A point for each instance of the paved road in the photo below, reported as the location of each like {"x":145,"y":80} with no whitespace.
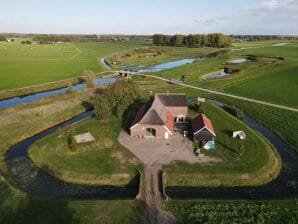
{"x":225,"y":94}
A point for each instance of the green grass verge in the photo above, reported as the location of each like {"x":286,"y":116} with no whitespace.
{"x":234,"y":211}
{"x":253,"y":163}
{"x":103,"y":161}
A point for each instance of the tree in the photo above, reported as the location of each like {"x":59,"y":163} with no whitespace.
{"x":123,"y":94}
{"x":102,"y":107}
{"x":2,"y":38}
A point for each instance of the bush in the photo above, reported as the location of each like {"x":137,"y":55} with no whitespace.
{"x":69,"y":89}
{"x":234,"y":111}
{"x":89,"y":78}
{"x":231,"y":70}
{"x":72,"y":145}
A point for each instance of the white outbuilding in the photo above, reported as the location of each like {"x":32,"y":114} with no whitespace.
{"x":239,"y":134}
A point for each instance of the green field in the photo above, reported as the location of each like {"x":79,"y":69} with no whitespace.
{"x":103,"y":161}
{"x":234,"y":211}
{"x":261,"y":80}
{"x":24,"y":65}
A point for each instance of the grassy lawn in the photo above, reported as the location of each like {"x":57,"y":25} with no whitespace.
{"x":24,"y":65}
{"x":254,"y":163}
{"x":234,"y":211}
{"x":103,"y":161}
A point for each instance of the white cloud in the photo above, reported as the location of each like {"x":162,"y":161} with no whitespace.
{"x":273,"y":5}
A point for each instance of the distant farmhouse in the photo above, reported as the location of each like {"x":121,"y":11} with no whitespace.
{"x":158,"y":118}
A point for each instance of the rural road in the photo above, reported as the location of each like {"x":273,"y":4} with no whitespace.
{"x":156,"y":210}
{"x":225,"y":94}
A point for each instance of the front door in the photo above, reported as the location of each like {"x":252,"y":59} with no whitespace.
{"x":166,"y":135}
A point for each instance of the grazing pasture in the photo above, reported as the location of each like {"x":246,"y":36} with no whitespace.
{"x":24,"y":65}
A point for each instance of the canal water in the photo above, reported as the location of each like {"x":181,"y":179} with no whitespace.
{"x":28,"y":177}
{"x":284,"y":186}
{"x":34,"y":180}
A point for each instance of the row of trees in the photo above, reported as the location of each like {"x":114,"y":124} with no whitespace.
{"x":193,"y":40}
{"x":263,"y":37}
{"x":116,"y":99}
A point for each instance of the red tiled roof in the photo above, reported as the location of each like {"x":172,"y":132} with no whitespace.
{"x":200,"y":122}
{"x":170,"y":121}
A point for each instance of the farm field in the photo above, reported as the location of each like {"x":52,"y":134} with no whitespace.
{"x":253,"y":162}
{"x":102,"y":162}
{"x":25,"y":65}
{"x":253,"y":78}
{"x":234,"y":211}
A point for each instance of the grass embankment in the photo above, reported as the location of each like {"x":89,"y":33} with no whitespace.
{"x":102,"y":162}
{"x":16,"y":206}
{"x":234,"y":211}
{"x":156,"y":55}
{"x":26,"y":65}
{"x":253,"y":162}
{"x":24,"y":121}
{"x":281,"y":122}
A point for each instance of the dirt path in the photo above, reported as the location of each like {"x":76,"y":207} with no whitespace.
{"x":156,"y":210}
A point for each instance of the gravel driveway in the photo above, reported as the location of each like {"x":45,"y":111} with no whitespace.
{"x":160,"y":151}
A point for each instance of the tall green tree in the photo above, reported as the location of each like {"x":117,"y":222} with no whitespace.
{"x":102,"y":107}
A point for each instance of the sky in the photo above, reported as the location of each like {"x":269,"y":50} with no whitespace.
{"x":150,"y":16}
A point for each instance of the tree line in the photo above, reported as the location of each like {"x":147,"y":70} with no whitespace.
{"x":193,"y":40}
{"x":263,"y":37}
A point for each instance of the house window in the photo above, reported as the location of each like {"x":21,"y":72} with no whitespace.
{"x":180,"y":119}
{"x":150,"y":132}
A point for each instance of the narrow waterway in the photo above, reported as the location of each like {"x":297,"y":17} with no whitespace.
{"x":285,"y":186}
{"x":12,"y":102}
{"x":28,"y":177}
{"x":35,"y":181}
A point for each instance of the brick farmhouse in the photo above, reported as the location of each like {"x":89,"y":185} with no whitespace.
{"x":156,"y":119}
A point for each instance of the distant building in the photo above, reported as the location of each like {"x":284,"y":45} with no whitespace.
{"x":202,"y":129}
{"x":156,"y":119}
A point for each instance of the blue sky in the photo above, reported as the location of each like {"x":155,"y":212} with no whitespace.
{"x":150,"y":16}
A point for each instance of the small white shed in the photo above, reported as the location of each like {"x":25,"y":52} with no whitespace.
{"x":239,"y":134}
